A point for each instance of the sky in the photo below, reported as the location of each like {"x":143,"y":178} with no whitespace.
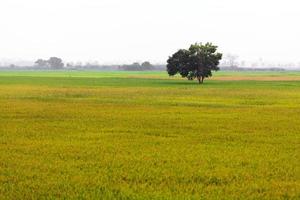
{"x":125,"y":31}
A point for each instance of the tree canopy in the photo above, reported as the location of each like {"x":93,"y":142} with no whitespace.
{"x":196,"y":62}
{"x":53,"y":62}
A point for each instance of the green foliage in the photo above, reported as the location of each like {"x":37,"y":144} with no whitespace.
{"x":197,"y":62}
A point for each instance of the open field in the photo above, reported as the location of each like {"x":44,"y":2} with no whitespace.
{"x":143,"y":135}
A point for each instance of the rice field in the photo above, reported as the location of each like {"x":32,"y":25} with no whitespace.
{"x":144,"y":135}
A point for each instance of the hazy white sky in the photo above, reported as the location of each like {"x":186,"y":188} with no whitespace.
{"x":116,"y":31}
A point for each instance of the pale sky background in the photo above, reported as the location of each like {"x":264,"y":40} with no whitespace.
{"x":124,"y":31}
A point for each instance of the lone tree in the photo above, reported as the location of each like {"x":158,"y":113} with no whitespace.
{"x":55,"y":63}
{"x":196,"y":62}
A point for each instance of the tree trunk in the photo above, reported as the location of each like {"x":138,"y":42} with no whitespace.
{"x":200,"y":79}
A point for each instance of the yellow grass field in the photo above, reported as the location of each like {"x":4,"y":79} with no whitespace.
{"x":143,"y":135}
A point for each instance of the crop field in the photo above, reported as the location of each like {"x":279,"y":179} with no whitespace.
{"x":144,"y":135}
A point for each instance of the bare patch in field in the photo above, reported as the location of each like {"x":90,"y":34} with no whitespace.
{"x":257,"y":78}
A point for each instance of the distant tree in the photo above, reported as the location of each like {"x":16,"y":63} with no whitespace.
{"x":55,"y":63}
{"x":231,"y":60}
{"x":137,"y":66}
{"x":41,"y":63}
{"x":196,"y":62}
{"x":147,"y":66}
{"x":133,"y":67}
{"x":78,"y":64}
{"x":69,"y":65}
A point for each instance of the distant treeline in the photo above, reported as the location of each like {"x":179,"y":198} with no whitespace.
{"x":145,"y":66}
{"x":55,"y":63}
{"x":251,"y":69}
